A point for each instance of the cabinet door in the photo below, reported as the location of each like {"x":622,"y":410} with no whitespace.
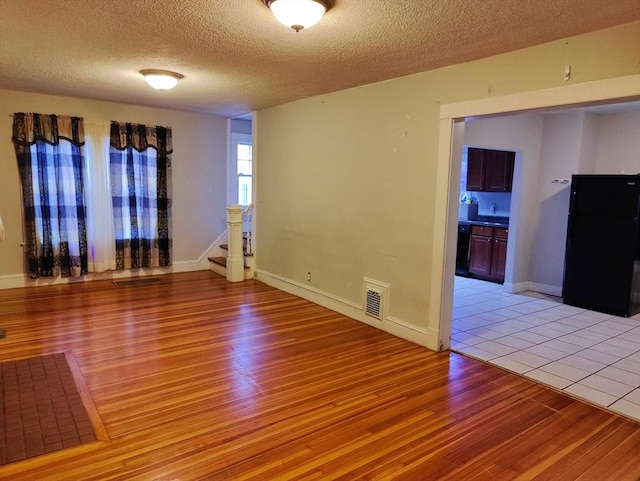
{"x":498,"y":258}
{"x":498,"y":171}
{"x":480,"y":255}
{"x":475,"y":169}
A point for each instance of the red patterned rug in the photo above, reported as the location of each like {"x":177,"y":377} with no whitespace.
{"x":41,"y":410}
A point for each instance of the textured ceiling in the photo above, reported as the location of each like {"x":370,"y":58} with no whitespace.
{"x":236,"y":57}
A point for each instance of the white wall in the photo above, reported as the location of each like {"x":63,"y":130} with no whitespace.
{"x":198,"y":170}
{"x":561,"y":149}
{"x":523,"y":135}
{"x":588,"y":143}
{"x":619,"y":143}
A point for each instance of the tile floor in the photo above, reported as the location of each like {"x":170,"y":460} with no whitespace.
{"x":590,"y":355}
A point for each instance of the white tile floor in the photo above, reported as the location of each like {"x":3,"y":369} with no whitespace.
{"x":590,"y":355}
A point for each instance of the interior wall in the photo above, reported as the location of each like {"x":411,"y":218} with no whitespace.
{"x":588,"y":143}
{"x":561,"y":157}
{"x":198,"y":170}
{"x":348,"y":191}
{"x":523,"y":135}
{"x":618,"y":143}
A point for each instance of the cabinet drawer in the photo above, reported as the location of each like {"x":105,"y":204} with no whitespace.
{"x":501,"y":232}
{"x":484,"y":230}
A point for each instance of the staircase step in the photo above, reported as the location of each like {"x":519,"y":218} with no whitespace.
{"x":221,"y":261}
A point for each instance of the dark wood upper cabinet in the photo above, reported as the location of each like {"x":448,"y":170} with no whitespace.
{"x":498,"y":175}
{"x":475,"y":169}
{"x":489,"y":170}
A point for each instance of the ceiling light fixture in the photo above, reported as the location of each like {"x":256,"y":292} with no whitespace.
{"x":161,"y":79}
{"x":298,"y":14}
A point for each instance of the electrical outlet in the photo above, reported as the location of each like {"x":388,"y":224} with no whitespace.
{"x":309,"y":276}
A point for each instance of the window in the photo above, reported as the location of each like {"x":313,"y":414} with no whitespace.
{"x":244,"y":161}
{"x":240,"y":170}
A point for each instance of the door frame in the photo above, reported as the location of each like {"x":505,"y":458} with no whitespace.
{"x":452,"y":118}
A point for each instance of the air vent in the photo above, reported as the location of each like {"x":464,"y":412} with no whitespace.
{"x":373,"y":304}
{"x":375,"y":299}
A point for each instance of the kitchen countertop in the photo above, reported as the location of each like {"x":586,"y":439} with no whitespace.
{"x":493,"y":222}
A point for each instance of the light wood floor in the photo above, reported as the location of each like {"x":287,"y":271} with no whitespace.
{"x":195,"y":378}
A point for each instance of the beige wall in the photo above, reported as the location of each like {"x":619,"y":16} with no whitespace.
{"x":347,"y":180}
{"x":199,"y":170}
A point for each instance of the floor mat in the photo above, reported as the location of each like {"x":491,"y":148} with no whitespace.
{"x":41,"y":410}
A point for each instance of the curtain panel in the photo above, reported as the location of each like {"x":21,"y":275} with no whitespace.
{"x":140,"y":171}
{"x":49,"y":154}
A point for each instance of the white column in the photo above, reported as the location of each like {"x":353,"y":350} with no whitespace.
{"x":235,"y":258}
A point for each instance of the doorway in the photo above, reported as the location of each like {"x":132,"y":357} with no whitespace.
{"x":448,"y":174}
{"x":571,"y":367}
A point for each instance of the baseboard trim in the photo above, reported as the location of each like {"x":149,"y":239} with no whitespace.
{"x":533,"y":286}
{"x":515,"y":288}
{"x":546,"y":289}
{"x":390,"y":324}
{"x":13,"y":281}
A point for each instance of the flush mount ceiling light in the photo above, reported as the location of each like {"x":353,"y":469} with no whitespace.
{"x":161,"y":79}
{"x":298,"y":14}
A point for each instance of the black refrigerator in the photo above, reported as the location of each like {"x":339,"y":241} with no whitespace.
{"x":602,"y":259}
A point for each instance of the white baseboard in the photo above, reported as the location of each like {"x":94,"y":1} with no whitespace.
{"x":390,"y":324}
{"x":515,"y":288}
{"x":20,"y":280}
{"x":12,"y":281}
{"x":533,"y":286}
{"x":546,"y":289}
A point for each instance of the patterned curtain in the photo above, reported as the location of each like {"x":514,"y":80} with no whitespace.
{"x":49,"y":154}
{"x":140,"y":170}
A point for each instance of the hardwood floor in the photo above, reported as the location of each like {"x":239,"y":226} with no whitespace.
{"x":196,"y":378}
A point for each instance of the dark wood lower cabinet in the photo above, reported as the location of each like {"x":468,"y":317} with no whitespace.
{"x":499,"y":257}
{"x":488,"y":252}
{"x":480,"y":255}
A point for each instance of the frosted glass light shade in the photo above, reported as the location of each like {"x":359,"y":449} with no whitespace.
{"x":298,"y":14}
{"x":161,"y":79}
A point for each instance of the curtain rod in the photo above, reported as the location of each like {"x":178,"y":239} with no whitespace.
{"x":83,"y":118}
